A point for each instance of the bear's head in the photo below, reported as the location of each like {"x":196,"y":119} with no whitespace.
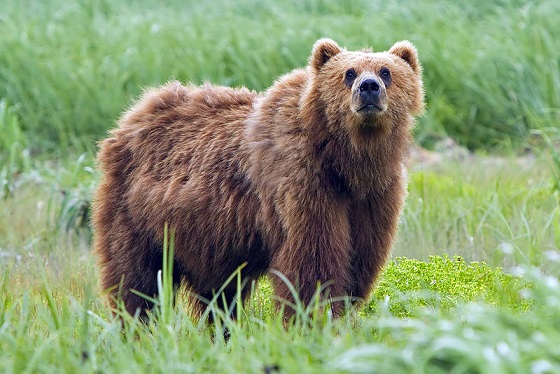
{"x":367,"y":91}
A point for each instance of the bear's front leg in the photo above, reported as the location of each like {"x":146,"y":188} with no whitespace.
{"x":374,"y":223}
{"x":315,"y":251}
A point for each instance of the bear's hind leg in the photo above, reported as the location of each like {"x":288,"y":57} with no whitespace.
{"x":130,"y":274}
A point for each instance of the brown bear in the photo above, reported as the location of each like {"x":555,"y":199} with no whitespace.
{"x":306,"y":179}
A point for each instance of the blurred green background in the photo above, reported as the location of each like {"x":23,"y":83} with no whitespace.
{"x":69,"y":68}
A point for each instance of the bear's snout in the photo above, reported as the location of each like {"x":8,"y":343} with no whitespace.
{"x":369,"y":87}
{"x":371,"y":96}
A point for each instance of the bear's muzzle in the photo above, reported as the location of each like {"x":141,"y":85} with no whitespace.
{"x":370,"y":96}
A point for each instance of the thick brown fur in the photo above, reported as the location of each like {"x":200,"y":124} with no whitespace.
{"x":304,"y":179}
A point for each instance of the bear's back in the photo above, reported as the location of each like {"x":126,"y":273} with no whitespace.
{"x":170,"y":129}
{"x":180,"y":149}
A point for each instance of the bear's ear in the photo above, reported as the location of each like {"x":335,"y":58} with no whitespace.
{"x":407,"y":51}
{"x":323,"y":50}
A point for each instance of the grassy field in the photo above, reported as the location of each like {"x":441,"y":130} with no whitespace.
{"x":492,"y":76}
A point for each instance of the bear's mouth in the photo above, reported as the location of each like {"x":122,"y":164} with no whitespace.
{"x":370,"y":109}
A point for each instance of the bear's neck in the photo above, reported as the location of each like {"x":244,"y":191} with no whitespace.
{"x":363,"y":162}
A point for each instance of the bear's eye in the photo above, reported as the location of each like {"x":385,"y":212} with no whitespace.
{"x":349,"y":76}
{"x":385,"y":75}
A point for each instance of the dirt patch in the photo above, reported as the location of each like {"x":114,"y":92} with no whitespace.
{"x":447,"y":150}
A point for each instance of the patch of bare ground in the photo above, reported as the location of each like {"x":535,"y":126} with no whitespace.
{"x":447,"y":150}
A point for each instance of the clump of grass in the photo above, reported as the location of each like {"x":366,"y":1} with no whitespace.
{"x":551,"y":138}
{"x":443,"y":283}
{"x":45,"y":217}
{"x":74,"y":185}
{"x":14,"y":149}
{"x":472,"y":337}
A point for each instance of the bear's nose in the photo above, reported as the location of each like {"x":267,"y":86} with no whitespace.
{"x":370,"y":86}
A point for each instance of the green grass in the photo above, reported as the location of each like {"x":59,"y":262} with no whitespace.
{"x":473,"y":285}
{"x":429,"y":314}
{"x":502,"y":211}
{"x":65,"y":328}
{"x":442,"y":283}
{"x":491,"y":70}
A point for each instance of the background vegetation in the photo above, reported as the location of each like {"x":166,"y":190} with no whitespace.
{"x":492,"y":77}
{"x":492,"y":70}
